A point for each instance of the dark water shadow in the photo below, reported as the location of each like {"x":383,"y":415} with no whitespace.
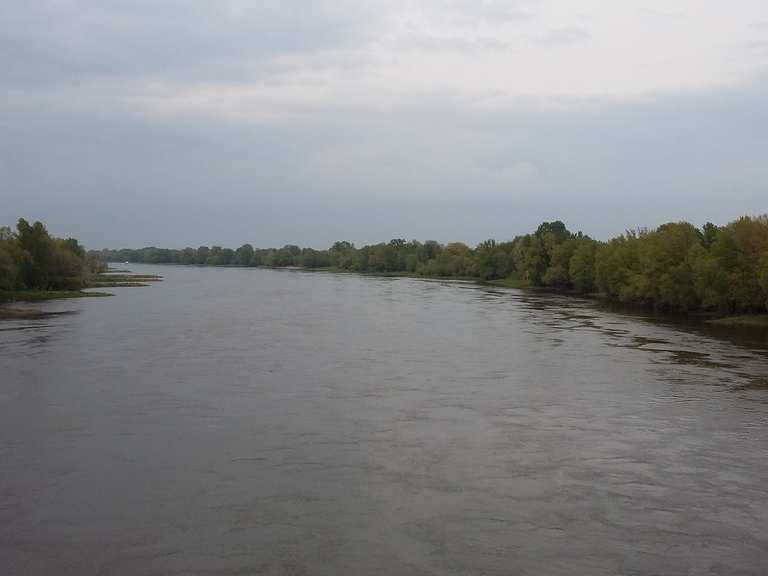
{"x":682,"y":340}
{"x":21,"y":314}
{"x":758,"y":383}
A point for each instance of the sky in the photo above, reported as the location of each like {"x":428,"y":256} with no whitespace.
{"x":178,"y":123}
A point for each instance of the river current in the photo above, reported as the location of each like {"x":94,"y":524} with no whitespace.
{"x":249,"y":421}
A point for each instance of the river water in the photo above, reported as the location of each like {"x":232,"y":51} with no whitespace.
{"x":247,"y":421}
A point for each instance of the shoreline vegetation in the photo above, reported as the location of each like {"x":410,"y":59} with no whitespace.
{"x":749,"y":320}
{"x":714,"y":271}
{"x":34,"y":266}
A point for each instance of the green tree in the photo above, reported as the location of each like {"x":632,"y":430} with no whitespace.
{"x":243,"y":255}
{"x":708,"y":234}
{"x":10,"y":278}
{"x":581,"y":267}
{"x":38,"y":248}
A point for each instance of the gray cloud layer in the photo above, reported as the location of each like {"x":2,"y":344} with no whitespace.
{"x":156,"y":123}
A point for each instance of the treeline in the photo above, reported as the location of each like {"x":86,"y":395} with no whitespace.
{"x":31,"y":259}
{"x":676,"y":267}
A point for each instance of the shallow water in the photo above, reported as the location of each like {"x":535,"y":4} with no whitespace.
{"x":245,"y":421}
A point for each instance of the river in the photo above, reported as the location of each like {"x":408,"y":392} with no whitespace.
{"x":250,"y":421}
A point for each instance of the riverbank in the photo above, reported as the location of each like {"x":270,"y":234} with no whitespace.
{"x":112,"y":280}
{"x":676,"y":267}
{"x":16,"y":313}
{"x":7,"y":296}
{"x":395,"y":274}
{"x":744,"y":320}
{"x":94,"y":281}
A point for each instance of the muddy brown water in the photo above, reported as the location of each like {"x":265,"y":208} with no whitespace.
{"x":244,"y":421}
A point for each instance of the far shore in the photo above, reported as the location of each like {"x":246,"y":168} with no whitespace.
{"x":124,"y":278}
{"x":91,"y":289}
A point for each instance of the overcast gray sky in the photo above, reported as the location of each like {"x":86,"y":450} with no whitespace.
{"x":177,"y":122}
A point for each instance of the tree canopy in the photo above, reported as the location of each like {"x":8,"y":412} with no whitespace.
{"x":31,"y":259}
{"x":676,"y":267}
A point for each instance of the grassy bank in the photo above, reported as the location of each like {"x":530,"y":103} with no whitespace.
{"x":124,"y":279}
{"x":112,"y":277}
{"x":510,"y":282}
{"x":40,"y":295}
{"x":98,"y":281}
{"x":108,"y":280}
{"x":7,"y":313}
{"x":746,"y":320}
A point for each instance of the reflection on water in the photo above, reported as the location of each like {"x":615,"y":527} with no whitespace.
{"x":691,"y":341}
{"x":35,"y":330}
{"x":234,"y":421}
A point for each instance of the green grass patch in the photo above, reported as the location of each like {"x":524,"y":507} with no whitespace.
{"x":18,"y":313}
{"x":40,"y":295}
{"x":115,"y":285}
{"x":105,"y":278}
{"x":510,"y":282}
{"x":751,"y":320}
{"x":121,"y":280}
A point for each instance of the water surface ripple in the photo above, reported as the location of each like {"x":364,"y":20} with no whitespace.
{"x":242,"y":421}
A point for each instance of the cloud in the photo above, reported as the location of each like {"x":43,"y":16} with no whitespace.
{"x":69,"y":42}
{"x":564,"y":36}
{"x":178,"y":123}
{"x":432,"y":167}
{"x":662,"y":14}
{"x":457,"y":44}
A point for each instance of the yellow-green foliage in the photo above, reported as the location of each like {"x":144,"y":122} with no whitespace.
{"x":679,"y":267}
{"x":673,"y":267}
{"x":30,"y":259}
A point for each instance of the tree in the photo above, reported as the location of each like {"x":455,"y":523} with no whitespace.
{"x":581,"y":267}
{"x":38,"y":253}
{"x":342,"y":255}
{"x":674,"y":267}
{"x":530,"y":258}
{"x":202,"y":255}
{"x":67,"y":265}
{"x":243,"y":255}
{"x":188,"y":256}
{"x":666,"y":265}
{"x":9,"y":260}
{"x":32,"y":259}
{"x":762,"y":276}
{"x":708,"y":234}
{"x":486,"y":261}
